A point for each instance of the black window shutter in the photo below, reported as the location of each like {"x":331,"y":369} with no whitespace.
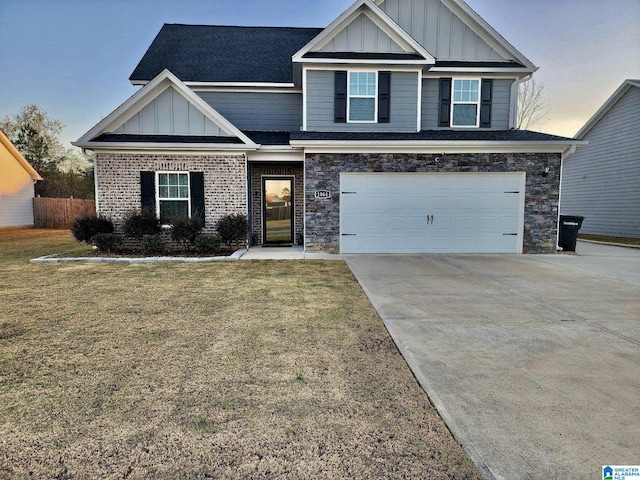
{"x":384,"y":97}
{"x":148,"y":191}
{"x":340,"y":115}
{"x":197,"y":195}
{"x":485,"y":103}
{"x":445,"y":102}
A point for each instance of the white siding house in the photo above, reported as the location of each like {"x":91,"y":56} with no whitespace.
{"x":601,"y":181}
{"x":17,"y":179}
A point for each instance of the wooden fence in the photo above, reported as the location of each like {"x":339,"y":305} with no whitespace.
{"x":60,"y":212}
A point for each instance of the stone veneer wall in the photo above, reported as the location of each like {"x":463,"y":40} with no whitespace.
{"x":118,"y":175}
{"x":257,"y":171}
{"x":542,"y":193}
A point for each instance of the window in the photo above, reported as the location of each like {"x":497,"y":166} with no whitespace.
{"x":173,"y":195}
{"x":465,"y":107}
{"x":362,"y":94}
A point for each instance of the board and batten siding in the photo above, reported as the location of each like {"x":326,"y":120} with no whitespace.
{"x":500,"y":103}
{"x":171,"y":114}
{"x":320,"y":104}
{"x":601,"y":181}
{"x":439,"y":30}
{"x":362,"y":35}
{"x":16,"y":192}
{"x":259,"y":110}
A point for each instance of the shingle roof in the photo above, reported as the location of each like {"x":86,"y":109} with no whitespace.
{"x":201,"y":53}
{"x":433,"y":135}
{"x":268,"y":137}
{"x":147,"y":138}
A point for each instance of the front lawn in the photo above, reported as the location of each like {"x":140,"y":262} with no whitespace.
{"x":245,"y":370}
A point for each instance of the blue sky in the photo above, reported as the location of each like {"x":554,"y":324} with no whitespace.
{"x":74,"y":57}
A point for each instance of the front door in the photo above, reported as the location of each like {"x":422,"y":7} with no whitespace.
{"x":277,"y":215}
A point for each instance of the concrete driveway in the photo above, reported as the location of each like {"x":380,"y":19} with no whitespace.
{"x":533,"y":364}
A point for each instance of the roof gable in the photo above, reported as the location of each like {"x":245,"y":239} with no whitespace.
{"x":365,"y":29}
{"x":452,"y":31}
{"x":608,"y":105}
{"x":202,"y":53}
{"x":11,"y":149}
{"x":190,"y":116}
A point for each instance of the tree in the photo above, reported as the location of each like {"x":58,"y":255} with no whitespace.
{"x":36,"y":136}
{"x":532,"y":107}
{"x":66,"y":171}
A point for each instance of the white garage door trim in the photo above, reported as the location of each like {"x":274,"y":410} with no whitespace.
{"x":467,"y":212}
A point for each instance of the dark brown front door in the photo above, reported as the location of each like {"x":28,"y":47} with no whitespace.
{"x":277,"y":215}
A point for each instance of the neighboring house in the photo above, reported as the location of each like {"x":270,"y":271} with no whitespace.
{"x":601,"y":181}
{"x":17,"y":180}
{"x":392,"y":129}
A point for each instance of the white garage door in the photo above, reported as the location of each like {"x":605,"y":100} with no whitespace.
{"x":431,"y":212}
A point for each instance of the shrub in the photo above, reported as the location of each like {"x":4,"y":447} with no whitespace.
{"x":233,"y":228}
{"x":153,"y":244}
{"x":208,"y":243}
{"x":108,"y":242}
{"x":84,"y":229}
{"x":184,"y":230}
{"x":137,"y":224}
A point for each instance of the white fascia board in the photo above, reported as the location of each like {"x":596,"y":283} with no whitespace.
{"x":376,"y":15}
{"x":147,"y":94}
{"x":142,"y":147}
{"x":481,"y":70}
{"x":359,"y":61}
{"x":418,"y":146}
{"x":277,"y":154}
{"x":613,"y":99}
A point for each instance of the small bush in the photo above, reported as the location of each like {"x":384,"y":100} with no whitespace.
{"x":233,"y":228}
{"x":137,"y":224}
{"x":184,"y":230}
{"x":84,"y":229}
{"x":108,"y":242}
{"x":208,"y":243}
{"x":153,"y":245}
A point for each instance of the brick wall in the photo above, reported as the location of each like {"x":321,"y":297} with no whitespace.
{"x":258,"y":170}
{"x":322,"y":172}
{"x":118,"y":174}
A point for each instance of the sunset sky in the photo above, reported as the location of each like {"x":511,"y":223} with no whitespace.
{"x":73,"y":58}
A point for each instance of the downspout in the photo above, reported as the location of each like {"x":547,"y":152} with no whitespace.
{"x":513,"y":108}
{"x":567,"y":152}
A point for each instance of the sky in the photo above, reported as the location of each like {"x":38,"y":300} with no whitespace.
{"x":73,"y":58}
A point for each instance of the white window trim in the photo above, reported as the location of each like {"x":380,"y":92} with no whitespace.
{"x":374,"y":96}
{"x":158,"y":199}
{"x":477,"y":104}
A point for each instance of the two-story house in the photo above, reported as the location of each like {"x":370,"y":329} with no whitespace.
{"x":391,"y":130}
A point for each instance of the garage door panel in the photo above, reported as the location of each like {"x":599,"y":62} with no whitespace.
{"x":394,"y":213}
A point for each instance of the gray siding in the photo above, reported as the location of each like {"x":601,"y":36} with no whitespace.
{"x":362,"y":35}
{"x":601,"y":181}
{"x":439,"y":30}
{"x":258,"y":111}
{"x":499,"y":106}
{"x":320,"y":105}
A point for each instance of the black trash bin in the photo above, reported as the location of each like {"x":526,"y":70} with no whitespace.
{"x":569,"y":226}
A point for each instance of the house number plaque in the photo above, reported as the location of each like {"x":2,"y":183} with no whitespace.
{"x":322,"y":194}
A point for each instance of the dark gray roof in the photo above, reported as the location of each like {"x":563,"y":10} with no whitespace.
{"x":444,"y":63}
{"x":434,"y":135}
{"x":142,"y":138}
{"x":268,"y":137}
{"x":200,"y":53}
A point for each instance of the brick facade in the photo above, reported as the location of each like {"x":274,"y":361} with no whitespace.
{"x":118,"y":179}
{"x":260,"y":169}
{"x":322,"y":172}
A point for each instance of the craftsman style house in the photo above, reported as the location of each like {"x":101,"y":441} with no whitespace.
{"x":391,"y":130}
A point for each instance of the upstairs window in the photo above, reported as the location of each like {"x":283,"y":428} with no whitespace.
{"x":465,"y":105}
{"x":362,"y":105}
{"x":173,"y":195}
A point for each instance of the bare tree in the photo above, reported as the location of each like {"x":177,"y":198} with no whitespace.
{"x":532,"y":107}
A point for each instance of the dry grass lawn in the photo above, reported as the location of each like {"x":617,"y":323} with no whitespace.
{"x":246,"y":370}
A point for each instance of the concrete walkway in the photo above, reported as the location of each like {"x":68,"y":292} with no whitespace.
{"x":534,"y":365}
{"x":285,"y":253}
